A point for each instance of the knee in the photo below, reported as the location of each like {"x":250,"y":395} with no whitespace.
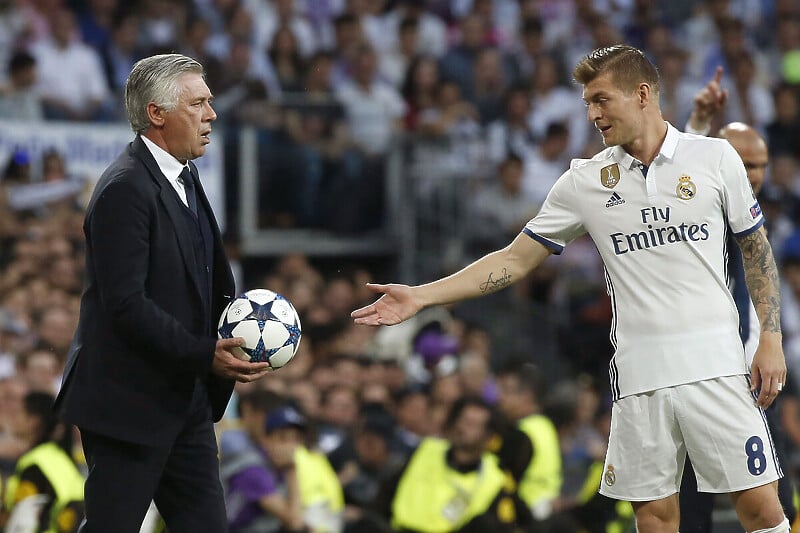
{"x":657,"y":518}
{"x":760,"y":510}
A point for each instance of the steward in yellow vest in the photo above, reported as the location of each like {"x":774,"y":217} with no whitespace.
{"x":454,"y":485}
{"x":46,"y":470}
{"x":321,"y":496}
{"x":535,"y":464}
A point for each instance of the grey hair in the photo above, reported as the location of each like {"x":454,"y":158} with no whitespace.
{"x":155,"y":79}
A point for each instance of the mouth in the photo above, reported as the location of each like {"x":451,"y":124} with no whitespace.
{"x":602,"y":129}
{"x":205,"y":136}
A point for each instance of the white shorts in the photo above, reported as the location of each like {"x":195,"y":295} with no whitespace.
{"x":715,"y":421}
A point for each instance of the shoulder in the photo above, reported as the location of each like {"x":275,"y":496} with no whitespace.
{"x":689,"y":143}
{"x":582,"y":168}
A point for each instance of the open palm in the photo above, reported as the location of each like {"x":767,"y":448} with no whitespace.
{"x":396,"y":305}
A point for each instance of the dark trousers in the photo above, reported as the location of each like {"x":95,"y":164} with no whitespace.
{"x":182,"y":478}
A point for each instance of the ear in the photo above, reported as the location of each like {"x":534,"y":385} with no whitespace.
{"x":155,"y":114}
{"x":645,"y":94}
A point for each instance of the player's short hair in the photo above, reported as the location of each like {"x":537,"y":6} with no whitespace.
{"x":628,"y":66}
{"x":155,"y":79}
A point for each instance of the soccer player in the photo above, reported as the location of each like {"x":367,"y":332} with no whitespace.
{"x":658,"y":205}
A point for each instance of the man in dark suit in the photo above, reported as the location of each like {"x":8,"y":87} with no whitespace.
{"x":146,"y":376}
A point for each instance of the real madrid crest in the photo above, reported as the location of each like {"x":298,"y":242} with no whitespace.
{"x":610,"y":477}
{"x":686,"y":188}
{"x":609,"y":176}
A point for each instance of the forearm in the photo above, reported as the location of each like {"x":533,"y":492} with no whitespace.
{"x":761,"y":276}
{"x":287,"y":508}
{"x":491,"y":273}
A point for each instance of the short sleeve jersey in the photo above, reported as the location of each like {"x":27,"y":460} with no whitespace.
{"x":662,"y":234}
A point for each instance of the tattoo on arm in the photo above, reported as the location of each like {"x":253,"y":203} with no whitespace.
{"x":491,"y":284}
{"x":761,"y":276}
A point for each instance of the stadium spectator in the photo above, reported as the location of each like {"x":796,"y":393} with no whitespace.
{"x":545,"y":163}
{"x":511,"y":134}
{"x":458,"y":64}
{"x":432,"y":30}
{"x":374,"y":112}
{"x":286,"y":60}
{"x":46,"y":473}
{"x":268,"y":17}
{"x":41,"y":370}
{"x":419,"y":90}
{"x":530,"y":47}
{"x":13,"y":390}
{"x":490,"y":83}
{"x":539,"y":479}
{"x":18,"y":100}
{"x":498,"y":210}
{"x":161,"y":25}
{"x":783,"y":133}
{"x":554,"y":101}
{"x":70,"y":80}
{"x":453,"y":484}
{"x":394,"y":63}
{"x":95,"y":22}
{"x":677,"y":90}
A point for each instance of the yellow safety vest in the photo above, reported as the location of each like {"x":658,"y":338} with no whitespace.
{"x":321,"y":494}
{"x":434,"y":498}
{"x":624,"y":510}
{"x":63,"y":475}
{"x":542,"y":479}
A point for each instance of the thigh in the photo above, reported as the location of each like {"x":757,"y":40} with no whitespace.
{"x":645,"y":456}
{"x":726,"y":435}
{"x":121,"y":482}
{"x":189,"y":496}
{"x":696,"y":507}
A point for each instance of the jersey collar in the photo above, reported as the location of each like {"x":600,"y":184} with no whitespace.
{"x":667,"y":150}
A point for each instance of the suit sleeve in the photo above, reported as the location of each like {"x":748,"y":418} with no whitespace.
{"x":118,"y":231}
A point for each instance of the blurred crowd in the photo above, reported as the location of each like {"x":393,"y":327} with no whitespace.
{"x":476,"y":89}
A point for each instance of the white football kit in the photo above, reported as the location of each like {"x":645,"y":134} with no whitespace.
{"x":662,"y":232}
{"x":662,"y":238}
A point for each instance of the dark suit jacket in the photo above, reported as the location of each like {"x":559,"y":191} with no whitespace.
{"x":144,"y":336}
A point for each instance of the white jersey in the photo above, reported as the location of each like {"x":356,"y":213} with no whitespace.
{"x":662,"y":234}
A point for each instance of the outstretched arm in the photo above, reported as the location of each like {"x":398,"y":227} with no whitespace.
{"x":761,"y":274}
{"x":488,"y":274}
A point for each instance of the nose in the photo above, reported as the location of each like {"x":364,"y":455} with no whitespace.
{"x":211,"y":115}
{"x":593,"y":113}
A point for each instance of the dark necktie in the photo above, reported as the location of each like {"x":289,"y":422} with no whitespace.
{"x":188,"y":187}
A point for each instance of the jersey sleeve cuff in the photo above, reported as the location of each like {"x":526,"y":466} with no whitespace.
{"x":554,"y":247}
{"x":750,"y":230}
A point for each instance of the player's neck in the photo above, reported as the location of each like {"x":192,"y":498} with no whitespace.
{"x":646,"y":146}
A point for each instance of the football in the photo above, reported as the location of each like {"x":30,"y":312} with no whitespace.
{"x":267,"y":322}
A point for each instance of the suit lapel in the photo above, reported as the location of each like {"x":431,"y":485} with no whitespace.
{"x":172,"y":205}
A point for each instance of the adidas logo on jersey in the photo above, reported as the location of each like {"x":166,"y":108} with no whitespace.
{"x":615,"y":199}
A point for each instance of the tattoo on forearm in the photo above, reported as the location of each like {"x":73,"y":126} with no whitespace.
{"x":491,"y":284}
{"x":761,"y":276}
